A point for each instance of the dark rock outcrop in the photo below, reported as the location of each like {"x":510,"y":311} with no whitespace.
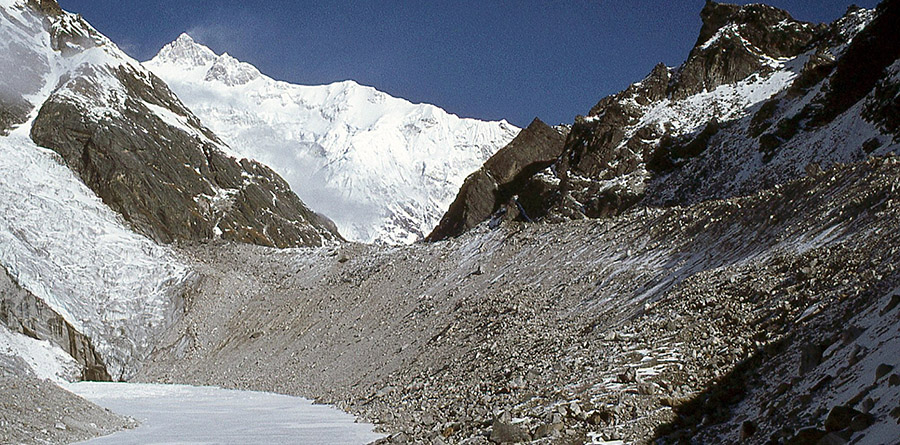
{"x":485,"y":191}
{"x":50,"y":7}
{"x":171,"y":182}
{"x":22,"y":312}
{"x":735,"y":42}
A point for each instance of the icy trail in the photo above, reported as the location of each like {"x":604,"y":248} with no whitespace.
{"x":205,"y":415}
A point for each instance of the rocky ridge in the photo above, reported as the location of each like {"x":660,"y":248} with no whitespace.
{"x":755,"y":77}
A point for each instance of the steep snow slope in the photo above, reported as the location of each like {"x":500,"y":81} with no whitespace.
{"x":57,"y":239}
{"x":65,"y":246}
{"x":382,"y":168}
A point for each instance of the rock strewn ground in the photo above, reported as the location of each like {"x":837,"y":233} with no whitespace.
{"x":35,"y":411}
{"x":558,"y":333}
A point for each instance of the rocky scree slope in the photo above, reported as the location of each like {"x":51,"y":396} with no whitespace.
{"x":383,"y":168}
{"x":33,"y":410}
{"x":760,"y":98}
{"x":685,"y":316}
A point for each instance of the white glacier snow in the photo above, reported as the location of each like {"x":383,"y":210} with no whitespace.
{"x":57,"y":238}
{"x":60,"y":242}
{"x":384,"y":169}
{"x":205,"y":415}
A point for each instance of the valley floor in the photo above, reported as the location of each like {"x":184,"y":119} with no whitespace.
{"x":752,"y":316}
{"x":188,"y":414}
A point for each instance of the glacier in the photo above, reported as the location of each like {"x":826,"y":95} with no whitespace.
{"x":58,"y":240}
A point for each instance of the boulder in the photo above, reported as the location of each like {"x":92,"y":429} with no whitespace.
{"x":484,"y":192}
{"x":507,"y":433}
{"x":839,"y":418}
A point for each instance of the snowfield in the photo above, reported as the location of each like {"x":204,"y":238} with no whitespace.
{"x":191,"y":414}
{"x":384,"y":169}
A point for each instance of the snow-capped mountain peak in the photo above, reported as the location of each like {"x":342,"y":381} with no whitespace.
{"x":383,"y":168}
{"x":185,"y":51}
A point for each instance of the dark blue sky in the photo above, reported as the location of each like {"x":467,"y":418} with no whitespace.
{"x":485,"y":59}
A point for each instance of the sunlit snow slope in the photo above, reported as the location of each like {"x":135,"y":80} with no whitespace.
{"x":384,"y":169}
{"x":57,"y":238}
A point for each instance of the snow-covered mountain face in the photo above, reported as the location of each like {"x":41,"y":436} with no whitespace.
{"x":384,"y":169}
{"x":100,"y":163}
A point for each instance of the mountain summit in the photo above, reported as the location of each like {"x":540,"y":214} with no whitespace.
{"x":184,"y":50}
{"x":384,"y":169}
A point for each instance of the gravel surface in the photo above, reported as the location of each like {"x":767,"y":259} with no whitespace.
{"x":633,"y":327}
{"x":35,"y":411}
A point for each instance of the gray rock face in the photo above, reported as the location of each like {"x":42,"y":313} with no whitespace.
{"x":12,"y":112}
{"x":171,"y":182}
{"x":22,"y":312}
{"x":534,"y":149}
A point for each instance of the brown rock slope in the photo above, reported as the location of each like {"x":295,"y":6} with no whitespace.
{"x":612,"y":328}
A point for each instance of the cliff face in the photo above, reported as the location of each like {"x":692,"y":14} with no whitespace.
{"x":484,"y":192}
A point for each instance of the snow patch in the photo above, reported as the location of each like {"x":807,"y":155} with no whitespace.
{"x":45,"y":359}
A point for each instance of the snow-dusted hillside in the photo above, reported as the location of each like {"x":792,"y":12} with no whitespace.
{"x":57,"y":238}
{"x":384,"y":169}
